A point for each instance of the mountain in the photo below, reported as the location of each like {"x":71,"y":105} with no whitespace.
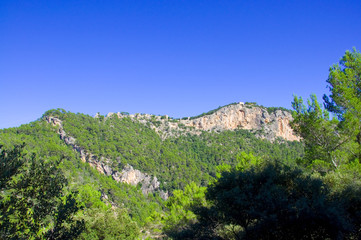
{"x":135,"y":162}
{"x":267,"y":124}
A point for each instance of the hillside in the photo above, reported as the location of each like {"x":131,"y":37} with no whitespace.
{"x":135,"y":162}
{"x":144,"y":154}
{"x":230,"y":173}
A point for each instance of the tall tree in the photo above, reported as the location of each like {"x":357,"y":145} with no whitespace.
{"x":344,"y":82}
{"x":320,"y":134}
{"x":330,"y":142}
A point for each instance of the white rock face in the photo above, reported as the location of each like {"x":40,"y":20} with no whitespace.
{"x":241,"y":116}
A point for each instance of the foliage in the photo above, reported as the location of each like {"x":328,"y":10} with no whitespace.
{"x":109,"y":224}
{"x":33,"y":202}
{"x":244,"y":161}
{"x":319,"y":133}
{"x":269,"y":109}
{"x":179,"y":207}
{"x":94,"y":189}
{"x":273,"y":201}
{"x":345,"y":99}
{"x":332,"y":142}
{"x":274,"y":109}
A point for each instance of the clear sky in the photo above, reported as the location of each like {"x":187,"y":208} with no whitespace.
{"x":175,"y":57}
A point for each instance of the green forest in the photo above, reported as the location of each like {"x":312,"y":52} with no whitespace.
{"x":221,"y":185}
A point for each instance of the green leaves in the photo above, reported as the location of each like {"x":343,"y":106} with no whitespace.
{"x":273,"y":201}
{"x":243,"y":162}
{"x":345,"y":99}
{"x":109,"y":224}
{"x":333,"y":141}
{"x":10,"y":162}
{"x":179,"y":207}
{"x":322,"y":136}
{"x":30,"y":202}
{"x":345,"y":84}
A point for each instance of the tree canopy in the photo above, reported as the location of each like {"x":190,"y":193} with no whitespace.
{"x":33,"y":201}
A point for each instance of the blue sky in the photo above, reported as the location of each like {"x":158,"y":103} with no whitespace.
{"x":179,"y":58}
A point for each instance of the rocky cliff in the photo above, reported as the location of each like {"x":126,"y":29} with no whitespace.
{"x":127,"y":175}
{"x":245,"y":116}
{"x":267,"y":123}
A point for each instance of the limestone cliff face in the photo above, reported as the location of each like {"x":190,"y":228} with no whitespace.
{"x":127,"y":175}
{"x":274,"y":124}
{"x":268,"y":125}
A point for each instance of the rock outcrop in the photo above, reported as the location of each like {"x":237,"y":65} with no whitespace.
{"x":274,"y":124}
{"x":127,"y":175}
{"x":267,"y":124}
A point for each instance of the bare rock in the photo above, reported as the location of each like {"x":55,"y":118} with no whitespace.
{"x":242,"y":116}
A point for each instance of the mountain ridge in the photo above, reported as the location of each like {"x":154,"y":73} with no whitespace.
{"x":268,"y":123}
{"x":135,"y":162}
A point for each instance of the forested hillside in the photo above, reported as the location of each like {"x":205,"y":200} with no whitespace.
{"x":73,"y":176}
{"x":175,"y":161}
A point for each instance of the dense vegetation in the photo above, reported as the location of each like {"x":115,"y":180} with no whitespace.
{"x":33,"y":201}
{"x":226,"y":185}
{"x":174,"y":160}
{"x":96,"y":194}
